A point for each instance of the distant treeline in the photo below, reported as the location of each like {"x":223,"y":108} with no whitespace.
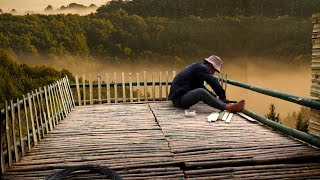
{"x":118,"y":34}
{"x":19,"y":79}
{"x":213,"y":8}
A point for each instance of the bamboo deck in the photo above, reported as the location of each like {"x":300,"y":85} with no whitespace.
{"x":156,"y":141}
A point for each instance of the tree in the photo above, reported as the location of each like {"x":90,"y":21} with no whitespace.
{"x":13,"y":11}
{"x":272,"y":114}
{"x":48,"y":9}
{"x":302,"y":124}
{"x":1,"y":11}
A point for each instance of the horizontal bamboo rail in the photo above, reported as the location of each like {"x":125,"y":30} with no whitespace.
{"x":28,"y":120}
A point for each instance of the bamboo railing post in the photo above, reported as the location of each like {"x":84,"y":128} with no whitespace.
{"x":167,"y":85}
{"x":108,"y":88}
{"x":84,"y":89}
{"x":36,"y":115}
{"x":20,"y":128}
{"x":3,"y":164}
{"x":40,"y":112}
{"x":43,"y":111}
{"x":51,"y":108}
{"x":90,"y":89}
{"x":65,"y":98}
{"x":59,"y":107}
{"x":27,"y":122}
{"x":153,"y":87}
{"x":8,"y":135}
{"x":47,"y":105}
{"x":66,"y":94}
{"x":145,"y":86}
{"x":138,"y":87}
{"x":32,"y":120}
{"x":54,"y":104}
{"x":130,"y":87}
{"x":115,"y":88}
{"x":123,"y":88}
{"x":78,"y":91}
{"x":70,"y":91}
{"x":99,"y":89}
{"x":160,"y":86}
{"x":15,"y":146}
{"x":62,"y":99}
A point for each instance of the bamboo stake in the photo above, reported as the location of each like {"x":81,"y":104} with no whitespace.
{"x":99,"y":89}
{"x":20,"y":128}
{"x":115,"y":88}
{"x":67,"y":94}
{"x":36,"y":115}
{"x":153,"y":87}
{"x":55,"y":98}
{"x":8,"y":135}
{"x":65,"y":98}
{"x":70,"y":91}
{"x":130,"y":87}
{"x":108,"y":88}
{"x":3,"y":164}
{"x":145,"y":86}
{"x":44,"y":111}
{"x":123,"y":89}
{"x":59,"y":100}
{"x":54,"y":105}
{"x":78,"y":91}
{"x":40,"y":112}
{"x":90,"y":89}
{"x":160,"y":86}
{"x":138,"y":88}
{"x":47,"y":104}
{"x":27,"y":121}
{"x":167,"y":85}
{"x":84,"y":90}
{"x":51,"y":108}
{"x":32,"y":120}
{"x":16,"y":154}
{"x":62,"y":99}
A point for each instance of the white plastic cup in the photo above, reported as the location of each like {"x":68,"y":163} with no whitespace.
{"x":189,"y":113}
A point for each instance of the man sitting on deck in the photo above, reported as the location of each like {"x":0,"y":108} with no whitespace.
{"x":187,"y":87}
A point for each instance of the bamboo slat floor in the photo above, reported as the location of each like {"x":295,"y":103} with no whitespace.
{"x":157,"y":141}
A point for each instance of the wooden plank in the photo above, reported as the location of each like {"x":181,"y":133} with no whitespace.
{"x":3,"y":163}
{"x":40,"y":112}
{"x":138,"y":88}
{"x":99,"y":89}
{"x":130,"y":87}
{"x":48,"y":108}
{"x":108,"y":88}
{"x":225,"y":116}
{"x":213,"y":117}
{"x":35,"y":141}
{"x":153,"y":87}
{"x":123,"y":88}
{"x":84,"y":89}
{"x":43,"y":110}
{"x":8,"y":135}
{"x":115,"y":88}
{"x":229,"y":117}
{"x":27,"y":121}
{"x":160,"y":86}
{"x":145,"y":86}
{"x":53,"y":117}
{"x":13,"y":132}
{"x":36,"y":115}
{"x":167,"y":85}
{"x":20,"y":128}
{"x":78,"y":90}
{"x":90,"y":89}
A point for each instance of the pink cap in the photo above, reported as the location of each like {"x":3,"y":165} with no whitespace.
{"x":215,"y":61}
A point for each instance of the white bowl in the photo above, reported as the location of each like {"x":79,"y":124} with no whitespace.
{"x":189,"y":112}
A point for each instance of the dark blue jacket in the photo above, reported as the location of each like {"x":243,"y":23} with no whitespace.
{"x":193,"y":77}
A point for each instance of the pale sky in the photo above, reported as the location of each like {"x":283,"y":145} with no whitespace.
{"x":39,"y":5}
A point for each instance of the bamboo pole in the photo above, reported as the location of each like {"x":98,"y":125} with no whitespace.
{"x":40,"y":112}
{"x":90,"y":89}
{"x":84,"y":89}
{"x":32,"y":120}
{"x":20,"y":128}
{"x":3,"y":163}
{"x":130,"y":87}
{"x":153,"y":87}
{"x":65,"y":98}
{"x":70,"y":91}
{"x":47,"y":107}
{"x":167,"y":85}
{"x":115,"y":88}
{"x":55,"y":98}
{"x":16,"y":153}
{"x":99,"y":89}
{"x":78,"y":91}
{"x":123,"y":88}
{"x":160,"y":86}
{"x":8,"y":135}
{"x":43,"y":111}
{"x":145,"y":86}
{"x":138,"y":88}
{"x":108,"y":88}
{"x":67,"y":94}
{"x":51,"y":108}
{"x":36,"y":115}
{"x":54,"y":105}
{"x":60,"y":106}
{"x":27,"y":121}
{"x":62,"y":100}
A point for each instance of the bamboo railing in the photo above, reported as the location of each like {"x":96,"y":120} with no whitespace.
{"x":36,"y":115}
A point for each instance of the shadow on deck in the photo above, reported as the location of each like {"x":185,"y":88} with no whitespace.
{"x":156,"y":141}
